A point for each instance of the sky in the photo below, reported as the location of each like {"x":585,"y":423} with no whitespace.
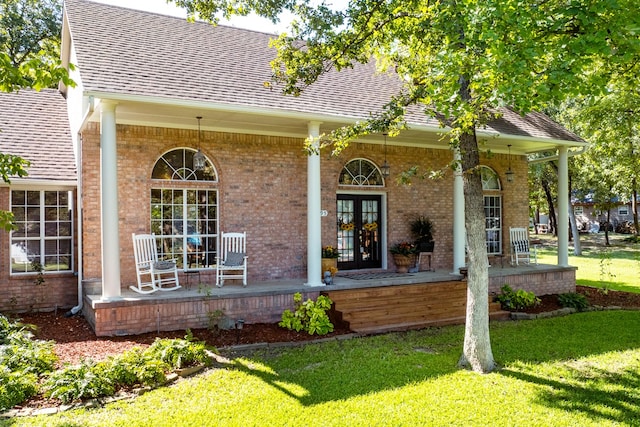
{"x":251,"y":22}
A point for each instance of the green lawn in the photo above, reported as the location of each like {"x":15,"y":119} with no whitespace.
{"x":615,"y":267}
{"x":582,"y":369}
{"x":579,"y":370}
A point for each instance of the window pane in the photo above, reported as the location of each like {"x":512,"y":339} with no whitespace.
{"x":33,"y":214}
{"x":18,"y":197}
{"x":33,"y":198}
{"x":19,"y":213}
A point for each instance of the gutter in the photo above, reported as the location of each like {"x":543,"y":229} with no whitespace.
{"x":553,"y":157}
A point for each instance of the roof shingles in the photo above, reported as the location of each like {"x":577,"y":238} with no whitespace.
{"x":34,"y":125}
{"x":125,"y":51}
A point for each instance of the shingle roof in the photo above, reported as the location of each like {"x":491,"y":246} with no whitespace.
{"x":34,"y":125}
{"x":125,"y":51}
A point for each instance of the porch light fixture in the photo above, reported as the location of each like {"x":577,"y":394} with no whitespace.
{"x":386,"y":169}
{"x":509,"y":173}
{"x":199,"y":161}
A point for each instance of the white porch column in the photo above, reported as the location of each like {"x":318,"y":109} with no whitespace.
{"x":563,"y":207}
{"x":109,"y":202}
{"x":314,"y":226}
{"x":458,"y":215}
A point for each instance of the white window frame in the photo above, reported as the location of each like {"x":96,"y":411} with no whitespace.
{"x":493,"y":211}
{"x":45,"y":237}
{"x":623,"y":210}
{"x":192,"y":237}
{"x":578,"y":210}
{"x":354,"y":175}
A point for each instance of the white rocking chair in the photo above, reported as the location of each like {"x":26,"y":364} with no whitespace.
{"x":161,"y":272}
{"x":521,"y":250}
{"x":232,"y":262}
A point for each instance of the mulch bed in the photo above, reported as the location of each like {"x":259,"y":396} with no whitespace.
{"x":75,"y":340}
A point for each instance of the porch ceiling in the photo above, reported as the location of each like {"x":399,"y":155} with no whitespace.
{"x":294,"y":124}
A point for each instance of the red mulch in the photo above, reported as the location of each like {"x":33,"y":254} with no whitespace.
{"x":75,"y":340}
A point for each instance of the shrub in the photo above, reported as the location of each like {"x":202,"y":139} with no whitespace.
{"x":21,"y":353}
{"x":573,"y":300}
{"x":136,"y":367}
{"x":516,"y":300}
{"x":8,"y":327}
{"x":178,"y":353}
{"x":15,"y":387}
{"x":84,"y":381}
{"x":310,"y":316}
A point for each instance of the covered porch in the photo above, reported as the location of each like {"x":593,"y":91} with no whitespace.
{"x":371,"y":301}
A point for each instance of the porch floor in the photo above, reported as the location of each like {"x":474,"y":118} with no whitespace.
{"x":263,"y":302}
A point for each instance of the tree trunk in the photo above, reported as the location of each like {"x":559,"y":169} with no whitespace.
{"x":477,"y":352}
{"x":577,"y":249}
{"x":606,"y":228}
{"x":634,"y":208}
{"x":553,"y":225}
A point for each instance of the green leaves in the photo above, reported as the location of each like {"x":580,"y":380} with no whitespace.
{"x":310,"y":316}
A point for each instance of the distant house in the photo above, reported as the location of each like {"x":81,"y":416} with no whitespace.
{"x":144,"y":79}
{"x":590,"y":218}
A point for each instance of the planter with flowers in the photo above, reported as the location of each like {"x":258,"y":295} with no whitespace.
{"x":404,"y":255}
{"x":330,"y":256}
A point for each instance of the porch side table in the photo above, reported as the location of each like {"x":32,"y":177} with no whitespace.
{"x":426,"y":254}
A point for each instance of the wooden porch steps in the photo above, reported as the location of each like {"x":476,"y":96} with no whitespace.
{"x":403,"y":307}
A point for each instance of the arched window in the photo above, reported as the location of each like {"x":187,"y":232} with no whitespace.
{"x":492,"y":210}
{"x":490,"y":180}
{"x":184,"y":214}
{"x":178,"y":165}
{"x":361,"y":173}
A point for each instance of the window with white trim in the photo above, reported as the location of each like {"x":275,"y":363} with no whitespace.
{"x":43,"y":233}
{"x":492,"y":210}
{"x":361,"y":172}
{"x":578,"y":210}
{"x":184,"y":217}
{"x":623,"y":210}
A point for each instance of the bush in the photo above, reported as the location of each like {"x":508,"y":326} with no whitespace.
{"x":573,"y":300}
{"x":135,"y":366}
{"x":15,"y":387}
{"x":178,"y":353}
{"x":310,"y":316}
{"x":518,"y":300}
{"x":84,"y":381}
{"x":20,"y":352}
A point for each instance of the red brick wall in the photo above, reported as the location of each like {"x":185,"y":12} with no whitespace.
{"x":262,"y":189}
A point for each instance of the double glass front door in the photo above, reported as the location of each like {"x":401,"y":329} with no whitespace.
{"x":359,"y":231}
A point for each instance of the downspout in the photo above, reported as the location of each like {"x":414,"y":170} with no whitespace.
{"x":75,"y":310}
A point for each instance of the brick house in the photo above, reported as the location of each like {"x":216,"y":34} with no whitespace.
{"x":149,"y":98}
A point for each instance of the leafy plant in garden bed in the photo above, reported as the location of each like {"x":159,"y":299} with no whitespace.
{"x":310,"y":316}
{"x":22,"y":359}
{"x":516,"y":300}
{"x":573,"y":300}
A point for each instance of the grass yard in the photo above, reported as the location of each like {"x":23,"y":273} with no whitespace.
{"x":582,"y":369}
{"x":578,"y":370}
{"x":615,"y":267}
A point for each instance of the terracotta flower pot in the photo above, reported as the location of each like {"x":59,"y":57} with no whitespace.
{"x":403,"y":262}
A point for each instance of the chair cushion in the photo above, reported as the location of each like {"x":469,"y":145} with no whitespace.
{"x":234,"y":258}
{"x":164,"y":265}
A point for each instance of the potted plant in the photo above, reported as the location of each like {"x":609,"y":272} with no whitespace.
{"x":330,"y":256}
{"x":404,"y":255}
{"x":422,"y":231}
